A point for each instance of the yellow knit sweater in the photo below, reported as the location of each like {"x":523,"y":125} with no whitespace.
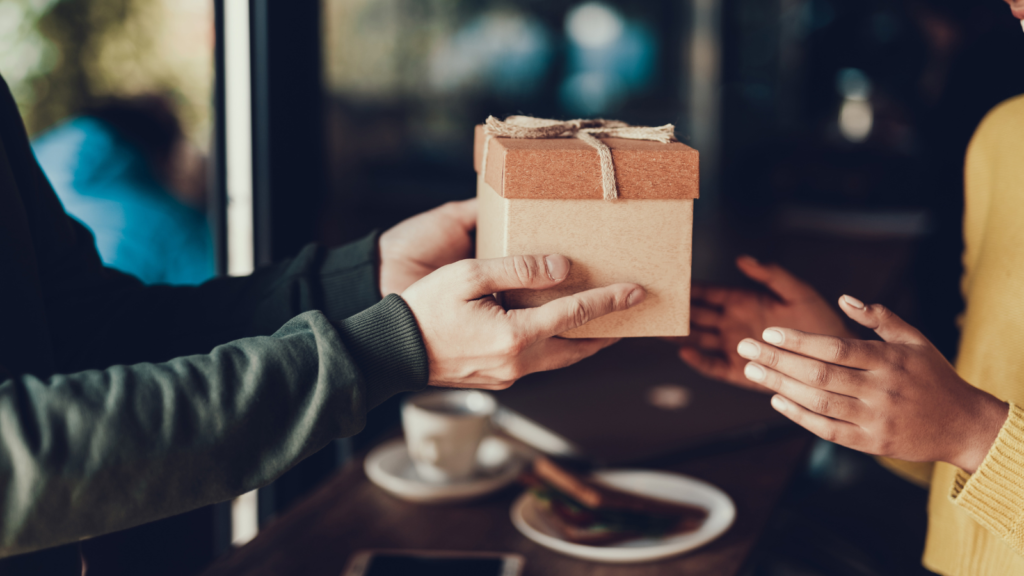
{"x":976,"y":522}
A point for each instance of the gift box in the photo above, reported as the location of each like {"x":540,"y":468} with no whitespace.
{"x":616,"y":200}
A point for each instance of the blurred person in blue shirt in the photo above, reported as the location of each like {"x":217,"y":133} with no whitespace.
{"x":125,"y":170}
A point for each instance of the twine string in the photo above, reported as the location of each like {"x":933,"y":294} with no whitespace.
{"x":589,"y":131}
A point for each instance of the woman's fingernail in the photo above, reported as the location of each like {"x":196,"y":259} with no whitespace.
{"x":773,"y":336}
{"x":754,"y":372}
{"x":748,"y":349}
{"x":635,"y":297}
{"x":778,"y":403}
{"x":850,"y":300}
{"x":558,"y":267}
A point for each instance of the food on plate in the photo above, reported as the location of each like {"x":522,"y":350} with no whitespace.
{"x":588,"y":512}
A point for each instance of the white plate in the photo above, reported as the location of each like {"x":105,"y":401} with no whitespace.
{"x":390,"y":467}
{"x":529,"y":518}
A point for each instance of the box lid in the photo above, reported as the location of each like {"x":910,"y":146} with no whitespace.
{"x":568,"y":168}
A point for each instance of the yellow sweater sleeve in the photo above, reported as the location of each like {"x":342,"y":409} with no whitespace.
{"x":994,"y":495}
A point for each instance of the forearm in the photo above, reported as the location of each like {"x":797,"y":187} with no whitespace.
{"x":99,"y":317}
{"x":981,"y":424}
{"x":102,"y":450}
{"x":993,"y":495}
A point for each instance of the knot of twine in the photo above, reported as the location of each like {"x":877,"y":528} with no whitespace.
{"x":588,"y":131}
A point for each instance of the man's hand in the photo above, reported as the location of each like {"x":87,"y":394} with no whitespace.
{"x":898,"y":398}
{"x":721,"y":317}
{"x":472,"y":342}
{"x":419,"y":245}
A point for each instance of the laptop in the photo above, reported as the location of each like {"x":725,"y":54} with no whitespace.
{"x":634,"y":402}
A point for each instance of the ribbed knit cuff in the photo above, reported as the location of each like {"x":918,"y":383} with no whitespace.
{"x":386,"y":344}
{"x":349,"y":279}
{"x":994,"y":495}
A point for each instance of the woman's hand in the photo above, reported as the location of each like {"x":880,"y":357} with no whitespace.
{"x":419,"y":245}
{"x":721,"y":317}
{"x":898,"y":398}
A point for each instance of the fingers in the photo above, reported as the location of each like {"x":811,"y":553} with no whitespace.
{"x":706,"y":363}
{"x":774,"y":277}
{"x":823,"y":427}
{"x":887,"y":325}
{"x":714,"y":295}
{"x":464,"y":212}
{"x":564,"y":314}
{"x":850,"y":352}
{"x":702,"y":339}
{"x":483,"y":277}
{"x":715,"y":366}
{"x":813,"y":372}
{"x":835,"y":406}
{"x":706,"y":317}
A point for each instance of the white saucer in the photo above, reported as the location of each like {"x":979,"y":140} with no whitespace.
{"x":529,"y":518}
{"x":390,"y":467}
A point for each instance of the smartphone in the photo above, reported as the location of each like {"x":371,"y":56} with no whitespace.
{"x":433,"y":563}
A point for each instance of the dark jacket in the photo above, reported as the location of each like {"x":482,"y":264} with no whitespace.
{"x":122,"y":403}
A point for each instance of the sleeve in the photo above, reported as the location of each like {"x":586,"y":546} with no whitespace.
{"x":994,"y":494}
{"x":98,"y":316}
{"x":102,"y":450}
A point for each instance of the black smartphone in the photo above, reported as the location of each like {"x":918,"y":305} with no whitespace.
{"x":433,"y":563}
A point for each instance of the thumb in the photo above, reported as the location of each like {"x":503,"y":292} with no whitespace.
{"x":484,"y":277}
{"x":774,"y":277}
{"x":889,"y":326}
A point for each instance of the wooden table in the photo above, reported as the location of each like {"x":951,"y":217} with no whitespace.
{"x":349,"y":513}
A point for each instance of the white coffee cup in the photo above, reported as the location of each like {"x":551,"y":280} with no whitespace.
{"x":443,"y":430}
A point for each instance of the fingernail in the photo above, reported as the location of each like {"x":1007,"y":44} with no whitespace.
{"x":778,"y":403}
{"x":635,"y":297}
{"x":850,"y":300}
{"x":754,"y":372}
{"x":748,"y":349}
{"x":558,"y":267}
{"x":773,"y":336}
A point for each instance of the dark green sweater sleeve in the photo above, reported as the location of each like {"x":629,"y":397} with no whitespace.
{"x":99,"y":316}
{"x":122,"y":403}
{"x":101,"y":450}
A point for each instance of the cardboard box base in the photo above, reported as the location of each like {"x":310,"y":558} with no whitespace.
{"x":646,"y":241}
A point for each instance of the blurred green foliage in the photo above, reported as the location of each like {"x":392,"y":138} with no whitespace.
{"x":58,"y":55}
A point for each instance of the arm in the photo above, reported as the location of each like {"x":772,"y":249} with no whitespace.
{"x":900,"y":398}
{"x":99,"y":317}
{"x":96,"y":451}
{"x":106,"y":317}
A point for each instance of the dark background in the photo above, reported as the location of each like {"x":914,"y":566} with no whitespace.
{"x":364,"y":112}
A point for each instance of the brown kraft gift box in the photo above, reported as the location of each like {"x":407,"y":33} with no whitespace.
{"x":544,"y":196}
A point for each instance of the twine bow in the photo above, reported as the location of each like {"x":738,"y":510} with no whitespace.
{"x":589,"y":131}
